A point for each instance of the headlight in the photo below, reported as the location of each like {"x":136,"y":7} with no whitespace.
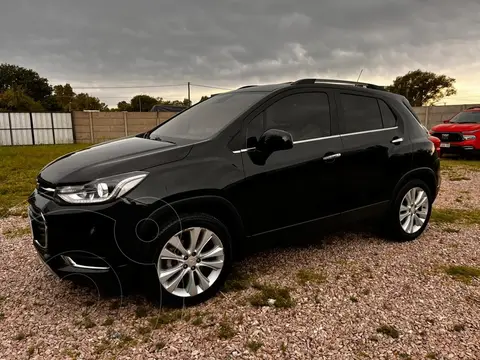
{"x":101,"y":190}
{"x":469,"y":137}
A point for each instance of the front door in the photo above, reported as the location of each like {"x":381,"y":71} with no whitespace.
{"x":301,"y":184}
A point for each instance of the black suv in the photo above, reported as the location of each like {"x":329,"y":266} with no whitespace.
{"x":177,"y":202}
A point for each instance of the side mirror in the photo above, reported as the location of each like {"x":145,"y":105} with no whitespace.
{"x":446,"y":121}
{"x":274,"y":140}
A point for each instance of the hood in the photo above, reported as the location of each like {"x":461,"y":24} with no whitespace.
{"x":111,"y":158}
{"x":452,"y":127}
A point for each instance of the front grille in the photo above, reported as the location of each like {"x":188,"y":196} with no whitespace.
{"x":38,"y":226}
{"x":449,"y":136}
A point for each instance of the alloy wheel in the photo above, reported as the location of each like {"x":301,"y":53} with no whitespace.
{"x":190,"y":262}
{"x":413,"y":210}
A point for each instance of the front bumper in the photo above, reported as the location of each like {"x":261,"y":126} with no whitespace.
{"x":89,"y":240}
{"x":470,"y":147}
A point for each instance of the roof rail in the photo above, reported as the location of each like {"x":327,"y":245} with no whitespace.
{"x":340,"y":82}
{"x":246,"y":86}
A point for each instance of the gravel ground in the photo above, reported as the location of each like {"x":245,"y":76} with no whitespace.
{"x":367,"y":298}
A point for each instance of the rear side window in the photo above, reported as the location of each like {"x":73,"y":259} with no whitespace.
{"x":304,"y":115}
{"x":388,"y":117}
{"x":360,"y":113}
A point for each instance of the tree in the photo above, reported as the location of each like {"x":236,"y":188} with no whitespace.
{"x":203,"y":98}
{"x":143,"y":103}
{"x":15,"y":99}
{"x":83,"y":101}
{"x":64,"y":95}
{"x":423,"y":87}
{"x":50,"y":103}
{"x":124,"y":106}
{"x":33,"y":86}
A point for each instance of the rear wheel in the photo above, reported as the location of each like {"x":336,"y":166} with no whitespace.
{"x":410,"y":211}
{"x":192,"y":260}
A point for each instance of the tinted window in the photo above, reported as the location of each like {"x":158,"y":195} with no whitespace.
{"x":471,"y":117}
{"x":209,"y":117}
{"x":255,"y":129}
{"x":360,"y":113}
{"x":389,"y":119}
{"x":305,"y":116}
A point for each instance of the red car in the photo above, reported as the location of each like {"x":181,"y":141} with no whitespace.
{"x":436,"y":141}
{"x":460,"y":135}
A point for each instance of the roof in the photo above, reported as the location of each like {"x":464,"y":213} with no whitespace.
{"x":168,"y":108}
{"x":332,"y":83}
{"x":473,"y":109}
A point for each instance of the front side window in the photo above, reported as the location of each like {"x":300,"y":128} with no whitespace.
{"x":467,"y":118}
{"x":360,"y":113}
{"x":304,"y":115}
{"x":206,"y":119}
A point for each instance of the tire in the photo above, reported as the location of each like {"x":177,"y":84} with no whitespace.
{"x":394,"y":225}
{"x":220,"y":238}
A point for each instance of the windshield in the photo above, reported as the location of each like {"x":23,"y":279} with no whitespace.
{"x":209,"y":117}
{"x":467,"y":118}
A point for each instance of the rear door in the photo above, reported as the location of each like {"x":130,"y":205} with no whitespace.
{"x":376,"y":152}
{"x":301,"y":184}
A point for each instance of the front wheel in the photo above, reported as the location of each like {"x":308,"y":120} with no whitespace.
{"x":192,"y":260}
{"x":410,"y":211}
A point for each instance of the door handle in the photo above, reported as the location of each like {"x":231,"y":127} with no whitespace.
{"x":396,"y":140}
{"x":332,"y":157}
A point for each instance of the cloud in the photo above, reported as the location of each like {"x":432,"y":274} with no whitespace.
{"x":232,"y":42}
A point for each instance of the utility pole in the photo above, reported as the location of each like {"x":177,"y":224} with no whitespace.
{"x":189,"y":101}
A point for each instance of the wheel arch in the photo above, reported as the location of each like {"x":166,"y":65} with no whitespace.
{"x":212,"y":202}
{"x":425,"y":174}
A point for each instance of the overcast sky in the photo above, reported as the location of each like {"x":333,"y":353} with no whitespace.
{"x":229,"y":43}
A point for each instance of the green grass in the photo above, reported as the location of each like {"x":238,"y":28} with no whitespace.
{"x":169,"y":317}
{"x":237,"y":280}
{"x":310,"y":276}
{"x":141,"y":311}
{"x":19,"y":166}
{"x":254,"y":345}
{"x":226,"y":331}
{"x":463,"y":273}
{"x":451,"y":230}
{"x":279,"y":296}
{"x":450,"y":216}
{"x":448,"y":164}
{"x":459,"y":178}
{"x":17,"y":232}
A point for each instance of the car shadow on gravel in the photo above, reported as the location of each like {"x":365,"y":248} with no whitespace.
{"x":306,"y":237}
{"x":131,"y":289}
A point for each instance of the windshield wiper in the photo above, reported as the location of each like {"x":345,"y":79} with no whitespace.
{"x":156,"y":138}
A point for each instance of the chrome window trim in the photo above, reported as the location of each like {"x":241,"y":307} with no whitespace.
{"x":369,"y":131}
{"x":323,"y":138}
{"x":316,"y":139}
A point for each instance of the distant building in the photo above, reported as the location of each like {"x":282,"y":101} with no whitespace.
{"x":168,"y":108}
